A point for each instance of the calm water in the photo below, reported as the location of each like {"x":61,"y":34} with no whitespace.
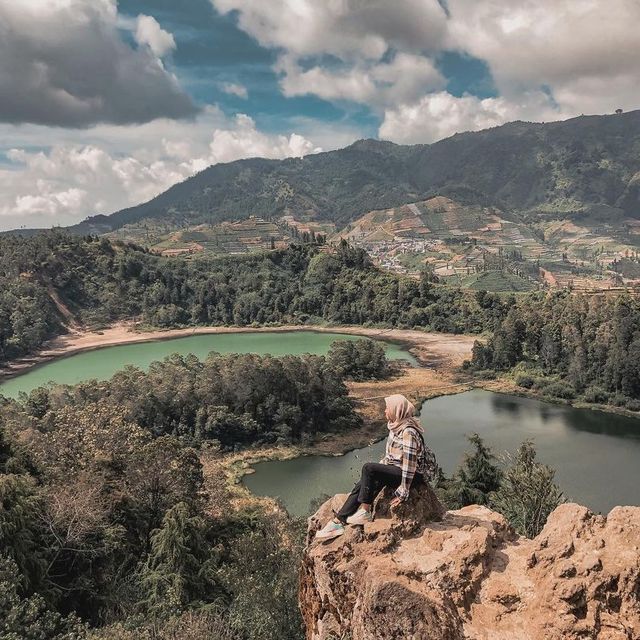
{"x":103,"y":363}
{"x":596,"y":455}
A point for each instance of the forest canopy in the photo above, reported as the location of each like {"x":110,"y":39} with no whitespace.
{"x":569,"y":346}
{"x":48,"y":279}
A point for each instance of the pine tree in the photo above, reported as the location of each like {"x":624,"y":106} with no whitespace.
{"x":21,"y":536}
{"x":528,"y":493}
{"x":179,"y":569}
{"x":479,"y":475}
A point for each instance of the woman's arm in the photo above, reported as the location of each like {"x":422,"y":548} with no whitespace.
{"x":409,"y":462}
{"x":385,"y":460}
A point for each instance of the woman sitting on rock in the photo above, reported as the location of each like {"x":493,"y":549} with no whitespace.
{"x":407,"y":462}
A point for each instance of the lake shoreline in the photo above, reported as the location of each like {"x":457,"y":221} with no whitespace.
{"x":426,"y":347}
{"x":439,"y":357}
{"x":332,"y":445}
{"x":419,"y":384}
{"x":507,"y":386}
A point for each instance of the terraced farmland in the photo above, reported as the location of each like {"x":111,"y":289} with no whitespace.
{"x":464,"y":243}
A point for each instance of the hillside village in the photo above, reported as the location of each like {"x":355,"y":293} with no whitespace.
{"x":473,"y":246}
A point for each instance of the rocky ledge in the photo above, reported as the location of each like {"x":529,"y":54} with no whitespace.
{"x":423,"y":573}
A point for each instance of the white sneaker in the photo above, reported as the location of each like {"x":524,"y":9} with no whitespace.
{"x":360,"y":517}
{"x":330,"y":530}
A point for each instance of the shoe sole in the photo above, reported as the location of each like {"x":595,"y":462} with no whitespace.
{"x":330,"y":536}
{"x":359,"y":523}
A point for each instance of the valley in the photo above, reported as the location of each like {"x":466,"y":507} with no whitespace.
{"x":471,"y":246}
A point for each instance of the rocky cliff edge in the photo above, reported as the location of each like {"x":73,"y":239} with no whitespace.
{"x":423,"y":573}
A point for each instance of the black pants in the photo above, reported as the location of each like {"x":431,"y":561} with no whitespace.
{"x":374,"y":477}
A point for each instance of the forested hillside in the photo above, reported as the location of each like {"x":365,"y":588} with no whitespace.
{"x":588,"y":164}
{"x":99,"y":282}
{"x":118,"y":520}
{"x":110,"y":520}
{"x":570,"y":346}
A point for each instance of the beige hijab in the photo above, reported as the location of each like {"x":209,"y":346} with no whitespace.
{"x":402,"y":413}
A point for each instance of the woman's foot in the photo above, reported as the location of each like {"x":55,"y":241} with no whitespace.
{"x":362,"y":516}
{"x":330,"y":530}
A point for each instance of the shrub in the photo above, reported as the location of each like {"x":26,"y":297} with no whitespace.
{"x":486,"y":374}
{"x":261,"y":575}
{"x":619,"y":400}
{"x":561,"y":390}
{"x":192,"y":625}
{"x":595,"y":393}
{"x":632,"y":404}
{"x":541,"y":383}
{"x":528,"y":493}
{"x":524,"y":380}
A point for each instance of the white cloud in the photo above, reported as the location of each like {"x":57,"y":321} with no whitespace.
{"x":73,"y":180}
{"x":243,"y":140}
{"x":404,"y":78}
{"x":381,"y":48}
{"x":344,"y":28}
{"x":150,"y":33}
{"x":585,"y":52}
{"x":234,"y":89}
{"x":549,"y":58}
{"x":439,"y":115}
{"x":64,"y":63}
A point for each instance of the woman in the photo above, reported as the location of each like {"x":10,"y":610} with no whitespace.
{"x":407,"y":462}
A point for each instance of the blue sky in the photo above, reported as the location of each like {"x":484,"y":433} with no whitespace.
{"x":106,"y":103}
{"x":213,"y":50}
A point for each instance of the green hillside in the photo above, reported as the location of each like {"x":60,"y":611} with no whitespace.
{"x":585,"y":166}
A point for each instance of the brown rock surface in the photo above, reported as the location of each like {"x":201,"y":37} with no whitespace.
{"x":426,"y":574}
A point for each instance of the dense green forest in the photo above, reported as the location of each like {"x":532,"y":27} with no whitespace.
{"x":108,"y":519}
{"x":123,"y":534}
{"x":99,"y":282}
{"x":569,"y":346}
{"x":580,"y":167}
{"x":234,"y":400}
{"x":113,"y":526}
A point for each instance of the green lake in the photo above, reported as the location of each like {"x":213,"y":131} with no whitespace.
{"x":596,"y":455}
{"x":102,"y":363}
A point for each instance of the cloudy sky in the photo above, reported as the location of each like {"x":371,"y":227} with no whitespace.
{"x":104,"y":104}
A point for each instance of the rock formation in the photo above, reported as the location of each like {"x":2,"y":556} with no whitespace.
{"x":427,"y":574}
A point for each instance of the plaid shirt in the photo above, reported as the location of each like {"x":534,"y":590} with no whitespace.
{"x":406,"y":450}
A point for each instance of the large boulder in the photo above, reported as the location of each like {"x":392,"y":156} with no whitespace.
{"x":424,"y":574}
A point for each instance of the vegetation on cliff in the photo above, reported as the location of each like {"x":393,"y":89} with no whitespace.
{"x":521,"y":489}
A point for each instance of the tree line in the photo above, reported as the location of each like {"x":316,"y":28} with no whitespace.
{"x":569,"y":346}
{"x":232,"y":400}
{"x":99,"y":281}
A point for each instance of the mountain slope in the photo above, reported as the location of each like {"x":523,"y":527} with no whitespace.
{"x":583,"y":165}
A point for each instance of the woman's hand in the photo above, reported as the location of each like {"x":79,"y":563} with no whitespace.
{"x":395,"y":503}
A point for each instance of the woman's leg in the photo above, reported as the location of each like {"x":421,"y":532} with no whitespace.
{"x":375,"y":476}
{"x":350,"y":505}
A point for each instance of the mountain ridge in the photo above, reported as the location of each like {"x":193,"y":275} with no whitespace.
{"x":563,"y":167}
